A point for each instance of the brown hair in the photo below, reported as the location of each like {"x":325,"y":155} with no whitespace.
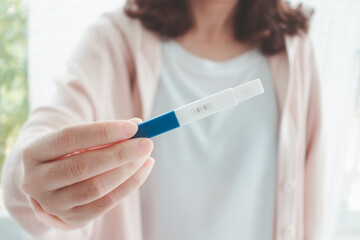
{"x":263,"y":23}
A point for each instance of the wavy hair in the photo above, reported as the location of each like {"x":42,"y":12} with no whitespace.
{"x":262,"y":23}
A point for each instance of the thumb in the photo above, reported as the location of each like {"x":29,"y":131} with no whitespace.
{"x":136,"y":120}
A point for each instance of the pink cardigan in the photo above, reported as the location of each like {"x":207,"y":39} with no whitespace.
{"x":113,"y":74}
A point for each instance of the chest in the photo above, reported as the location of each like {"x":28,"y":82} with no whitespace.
{"x":236,"y":132}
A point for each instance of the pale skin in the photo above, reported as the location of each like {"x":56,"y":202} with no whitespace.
{"x":80,"y":187}
{"x":80,"y":172}
{"x":212,"y":35}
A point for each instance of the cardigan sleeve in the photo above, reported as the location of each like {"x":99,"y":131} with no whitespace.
{"x":315,"y":155}
{"x":78,"y":100}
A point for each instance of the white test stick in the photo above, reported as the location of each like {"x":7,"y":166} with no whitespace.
{"x":200,"y":109}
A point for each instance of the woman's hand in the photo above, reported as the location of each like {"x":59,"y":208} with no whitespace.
{"x":80,"y":172}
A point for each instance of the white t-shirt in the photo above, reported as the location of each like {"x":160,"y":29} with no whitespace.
{"x":215,"y":178}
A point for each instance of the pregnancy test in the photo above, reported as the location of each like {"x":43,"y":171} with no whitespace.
{"x":199,"y":109}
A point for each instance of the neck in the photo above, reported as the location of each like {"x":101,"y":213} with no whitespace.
{"x":212,"y":33}
{"x":212,"y":18}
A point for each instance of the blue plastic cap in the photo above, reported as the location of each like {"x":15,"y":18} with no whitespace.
{"x":158,"y":125}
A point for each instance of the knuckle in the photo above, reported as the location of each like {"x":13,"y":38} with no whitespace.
{"x":107,"y":201}
{"x":65,"y":136}
{"x":95,"y":187}
{"x":135,"y":181}
{"x":75,"y":169}
{"x":104,"y":132}
{"x":120,"y":152}
{"x":54,"y":171}
{"x":49,"y":206}
{"x":131,"y":167}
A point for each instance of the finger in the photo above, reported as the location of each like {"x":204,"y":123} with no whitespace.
{"x":82,"y":214}
{"x":137,"y":120}
{"x":48,"y":217}
{"x":88,"y":164}
{"x":94,"y":188}
{"x":75,"y":138}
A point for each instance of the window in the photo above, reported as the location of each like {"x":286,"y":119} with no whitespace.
{"x":13,"y":73}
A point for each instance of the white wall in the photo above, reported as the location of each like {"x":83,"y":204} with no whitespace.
{"x":54,"y":29}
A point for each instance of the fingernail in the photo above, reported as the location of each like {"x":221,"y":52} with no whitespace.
{"x":144,"y":145}
{"x":129,"y":128}
{"x":136,"y":120}
{"x":148,"y":162}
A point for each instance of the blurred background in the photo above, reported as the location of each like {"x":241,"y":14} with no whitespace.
{"x":37,"y":36}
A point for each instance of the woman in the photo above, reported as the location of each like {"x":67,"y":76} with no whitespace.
{"x":250,"y":173}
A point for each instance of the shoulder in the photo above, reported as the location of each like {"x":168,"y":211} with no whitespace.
{"x":301,"y":56}
{"x":111,"y":27}
{"x":116,"y":25}
{"x":300,"y":47}
{"x":118,"y":21}
{"x":303,"y":62}
{"x":116,"y":34}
